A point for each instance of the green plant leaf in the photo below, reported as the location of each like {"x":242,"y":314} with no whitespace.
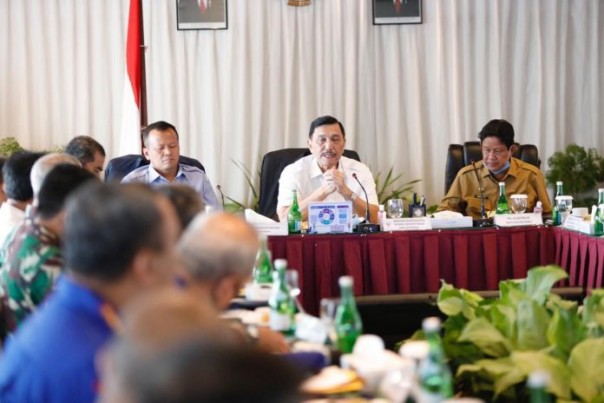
{"x":452,"y":301}
{"x":532,"y":321}
{"x":503,"y":318}
{"x":564,"y":331}
{"x":540,"y":280}
{"x":593,"y":313}
{"x":511,"y":292}
{"x":530,"y":361}
{"x":586,"y":364}
{"x":486,"y":337}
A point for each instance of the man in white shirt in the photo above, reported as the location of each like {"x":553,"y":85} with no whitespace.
{"x":18,"y":189}
{"x":326,"y":175}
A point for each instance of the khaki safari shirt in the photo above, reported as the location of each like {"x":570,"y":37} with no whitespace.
{"x":464,"y":196}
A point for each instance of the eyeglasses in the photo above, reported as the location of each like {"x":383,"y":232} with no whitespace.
{"x":496,"y":151}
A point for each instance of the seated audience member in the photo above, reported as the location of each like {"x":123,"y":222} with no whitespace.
{"x":89,"y":152}
{"x":119,"y":244}
{"x":497,"y":165}
{"x":32,"y":258}
{"x":2,"y":194}
{"x":326,"y":175}
{"x":17,"y":187}
{"x":44,"y":165}
{"x":218,"y":252}
{"x":185,"y":200}
{"x":161,"y":148}
{"x":173,"y":349}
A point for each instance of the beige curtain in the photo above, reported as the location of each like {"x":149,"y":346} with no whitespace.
{"x":404,"y":92}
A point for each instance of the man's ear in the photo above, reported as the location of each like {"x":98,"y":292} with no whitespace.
{"x":309,"y":142}
{"x":146,"y":153}
{"x":142,"y":267}
{"x":224,"y":290}
{"x":514,"y":148}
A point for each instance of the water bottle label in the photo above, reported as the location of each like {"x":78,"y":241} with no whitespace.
{"x":279,"y":322}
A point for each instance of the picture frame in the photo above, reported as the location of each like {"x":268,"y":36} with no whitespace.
{"x":201,"y":14}
{"x":389,"y":12}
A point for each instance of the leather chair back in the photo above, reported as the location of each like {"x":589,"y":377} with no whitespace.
{"x":273,"y":164}
{"x":119,"y":167}
{"x":458,"y":156}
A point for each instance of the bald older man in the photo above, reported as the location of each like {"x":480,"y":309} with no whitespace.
{"x":218,"y":252}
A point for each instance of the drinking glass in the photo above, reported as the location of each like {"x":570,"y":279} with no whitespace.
{"x":328,"y":309}
{"x":395,"y":208}
{"x":519,"y":202}
{"x":565,"y":205}
{"x":291,"y":277}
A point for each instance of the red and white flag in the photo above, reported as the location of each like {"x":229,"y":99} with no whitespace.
{"x":131,"y":102}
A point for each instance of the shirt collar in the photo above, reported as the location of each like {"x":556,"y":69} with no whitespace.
{"x":154,"y":175}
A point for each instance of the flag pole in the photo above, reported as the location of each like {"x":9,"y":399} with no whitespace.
{"x":143,"y":71}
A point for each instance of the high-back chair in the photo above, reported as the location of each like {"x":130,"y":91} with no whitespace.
{"x":458,"y":156}
{"x":272,"y":164}
{"x":119,"y":167}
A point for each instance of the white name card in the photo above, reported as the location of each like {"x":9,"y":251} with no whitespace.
{"x":517,"y":220}
{"x":270,"y":228}
{"x":407,"y":224}
{"x":457,"y":222}
{"x":579,"y":224}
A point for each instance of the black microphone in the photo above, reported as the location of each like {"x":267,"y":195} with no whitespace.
{"x":366,"y":226}
{"x":484,"y":221}
{"x":219,"y":188}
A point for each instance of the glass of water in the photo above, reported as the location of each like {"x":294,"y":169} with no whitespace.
{"x":395,"y":208}
{"x":519,"y":202}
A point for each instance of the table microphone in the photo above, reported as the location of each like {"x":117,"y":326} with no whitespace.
{"x":366,"y":226}
{"x":484,"y":221}
{"x":219,"y":188}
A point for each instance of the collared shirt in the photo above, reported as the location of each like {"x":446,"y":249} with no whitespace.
{"x":186,"y":174}
{"x":464,"y":194}
{"x":52,"y":356}
{"x":29,"y":266}
{"x":10,"y":218}
{"x":306,"y":176}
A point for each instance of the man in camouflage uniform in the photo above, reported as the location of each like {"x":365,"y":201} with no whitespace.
{"x":32,"y":260}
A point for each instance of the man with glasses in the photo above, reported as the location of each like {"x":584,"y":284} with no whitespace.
{"x":497,"y":165}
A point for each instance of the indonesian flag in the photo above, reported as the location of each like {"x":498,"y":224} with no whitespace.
{"x":131,"y":102}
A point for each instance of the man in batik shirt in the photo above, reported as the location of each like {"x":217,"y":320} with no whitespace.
{"x":32,"y":260}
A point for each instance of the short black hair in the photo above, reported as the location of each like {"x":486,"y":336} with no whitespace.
{"x":60,"y":182}
{"x":500,"y":128}
{"x":107,"y":225}
{"x":160,"y":126}
{"x":325,"y":120}
{"x":16,"y":170}
{"x":186,"y":201}
{"x":84,"y":148}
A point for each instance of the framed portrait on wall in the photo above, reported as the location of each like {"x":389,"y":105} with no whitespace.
{"x":201,"y":14}
{"x":387,"y":12}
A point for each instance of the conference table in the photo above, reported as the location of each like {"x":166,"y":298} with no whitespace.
{"x":404,"y":262}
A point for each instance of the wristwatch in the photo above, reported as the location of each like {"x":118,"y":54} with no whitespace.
{"x":353,"y":196}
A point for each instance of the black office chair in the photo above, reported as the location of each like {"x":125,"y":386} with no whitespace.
{"x":119,"y":167}
{"x":272,"y":164}
{"x":458,"y":156}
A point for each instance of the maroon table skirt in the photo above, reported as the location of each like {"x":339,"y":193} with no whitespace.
{"x":414,"y":261}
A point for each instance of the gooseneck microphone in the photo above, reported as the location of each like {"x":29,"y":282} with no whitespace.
{"x":484,"y":221}
{"x":366,"y":226}
{"x":219,"y":188}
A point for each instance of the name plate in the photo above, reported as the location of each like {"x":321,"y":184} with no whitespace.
{"x":579,"y":224}
{"x":407,"y":224}
{"x":457,"y":222}
{"x":518,"y":220}
{"x":270,"y":228}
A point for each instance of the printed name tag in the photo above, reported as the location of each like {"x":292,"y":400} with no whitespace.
{"x":517,"y":220}
{"x":579,"y":224}
{"x":407,"y":224}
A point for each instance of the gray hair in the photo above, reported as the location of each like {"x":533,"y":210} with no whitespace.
{"x":45,"y":164}
{"x":218,"y":245}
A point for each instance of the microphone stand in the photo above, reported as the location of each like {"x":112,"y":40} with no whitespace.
{"x":365,"y":227}
{"x":219,"y":188}
{"x":484,"y":220}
